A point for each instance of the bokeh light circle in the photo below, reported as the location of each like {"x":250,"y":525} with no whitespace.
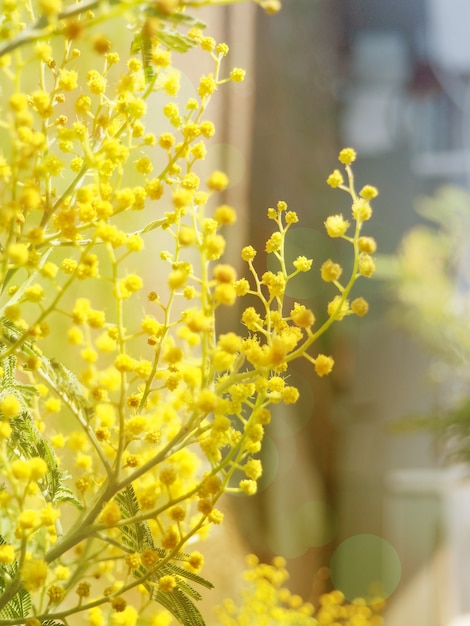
{"x":365,"y":566}
{"x":311,"y":525}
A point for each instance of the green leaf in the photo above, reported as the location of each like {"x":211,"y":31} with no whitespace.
{"x":20,"y":605}
{"x":174,"y":40}
{"x":183,"y":19}
{"x":180,"y":606}
{"x":26,"y":442}
{"x":138,"y":537}
{"x":143,"y":45}
{"x":69,"y":388}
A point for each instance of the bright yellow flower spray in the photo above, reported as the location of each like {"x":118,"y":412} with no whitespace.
{"x":115,"y":449}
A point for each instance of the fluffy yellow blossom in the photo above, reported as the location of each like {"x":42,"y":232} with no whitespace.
{"x":224,"y":273}
{"x":323,"y":364}
{"x":222,"y":49}
{"x":214,"y":245}
{"x":248,"y":253}
{"x":111,"y":514}
{"x":127,"y":617}
{"x":336,"y":225}
{"x":144,"y":165}
{"x":129,"y":285}
{"x":252,"y":319}
{"x":68,"y":80}
{"x":207,"y":43}
{"x":361,"y":210}
{"x":253,"y":469}
{"x":62,"y":573}
{"x":18,"y":253}
{"x":367,"y":245}
{"x":274,"y":242}
{"x":195,"y":561}
{"x":96,"y":82}
{"x":302,"y":316}
{"x":13,"y":312}
{"x":330,"y":271}
{"x":290,"y":395}
{"x":338,"y":307}
{"x":368,"y":192}
{"x":217,"y":181}
{"x":302,"y":264}
{"x":161,"y":57}
{"x":248,"y":486}
{"x":237,"y":75}
{"x":168,"y":476}
{"x":55,"y":593}
{"x":167,"y":583}
{"x":347,"y":156}
{"x":5,"y":430}
{"x":207,"y":129}
{"x":207,"y":86}
{"x":7,"y":554}
{"x":335,"y":179}
{"x":206,"y":400}
{"x":366,"y":265}
{"x":35,"y":293}
{"x":170,"y":539}
{"x":10,"y":406}
{"x":18,"y":101}
{"x":216,"y":516}
{"x":225,"y":215}
{"x":33,"y":574}
{"x":41,"y":102}
{"x":58,"y":440}
{"x":50,"y":7}
{"x":38,"y":468}
{"x":359,"y":306}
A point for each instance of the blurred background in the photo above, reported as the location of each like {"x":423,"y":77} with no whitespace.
{"x":344,"y":487}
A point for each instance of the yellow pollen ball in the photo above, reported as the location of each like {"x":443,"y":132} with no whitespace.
{"x":33,"y":574}
{"x":323,"y":364}
{"x":218,"y":181}
{"x":336,"y":225}
{"x":10,"y":407}
{"x":111,"y":514}
{"x":7,"y":554}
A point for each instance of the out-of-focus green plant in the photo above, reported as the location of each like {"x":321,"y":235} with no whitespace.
{"x":123,"y":414}
{"x":430,"y":279}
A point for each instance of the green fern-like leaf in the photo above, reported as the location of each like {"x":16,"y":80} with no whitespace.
{"x":26,"y":442}
{"x":138,"y":537}
{"x":174,"y":40}
{"x":183,"y":574}
{"x":142,"y":45}
{"x":180,"y":606}
{"x":20,"y":605}
{"x":181,"y":19}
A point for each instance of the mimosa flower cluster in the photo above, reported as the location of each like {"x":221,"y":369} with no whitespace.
{"x":124,"y":415}
{"x":266,"y":601}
